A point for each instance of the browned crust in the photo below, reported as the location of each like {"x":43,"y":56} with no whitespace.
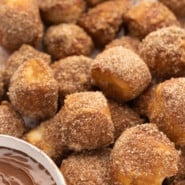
{"x":164,"y":52}
{"x":59,"y":11}
{"x":20,"y":23}
{"x":86,"y":121}
{"x":87,"y":168}
{"x":20,"y":56}
{"x":123,"y":117}
{"x":103,"y":21}
{"x":149,"y":156}
{"x":73,"y":74}
{"x":67,"y":39}
{"x":148,"y":16}
{"x":33,"y":91}
{"x":120,"y":73}
{"x":167,"y":109}
{"x":11,"y":122}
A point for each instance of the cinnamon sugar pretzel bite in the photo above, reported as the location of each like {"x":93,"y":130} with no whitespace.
{"x":164,"y":52}
{"x":47,"y":137}
{"x":65,"y":40}
{"x":25,"y":53}
{"x":143,"y":155}
{"x":120,"y":73}
{"x":87,"y":168}
{"x":20,"y":23}
{"x":103,"y":21}
{"x":72,"y":74}
{"x":167,"y":109}
{"x":148,"y":16}
{"x":86,"y":121}
{"x":33,"y":91}
{"x":59,"y":11}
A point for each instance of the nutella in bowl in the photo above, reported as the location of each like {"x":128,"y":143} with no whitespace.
{"x":24,"y":164}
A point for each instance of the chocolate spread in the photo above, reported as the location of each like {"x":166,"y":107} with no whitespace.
{"x":17,"y":168}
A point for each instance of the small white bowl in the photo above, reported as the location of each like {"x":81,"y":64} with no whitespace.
{"x":35,"y":153}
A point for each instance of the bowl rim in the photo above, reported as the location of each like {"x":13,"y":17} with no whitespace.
{"x":35,"y":153}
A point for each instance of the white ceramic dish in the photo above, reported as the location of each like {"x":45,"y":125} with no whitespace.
{"x":35,"y":153}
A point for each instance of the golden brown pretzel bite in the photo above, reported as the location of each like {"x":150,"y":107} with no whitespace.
{"x":72,"y":74}
{"x":20,"y":56}
{"x":164,"y":52}
{"x":143,"y":155}
{"x":67,"y":39}
{"x":103,"y":21}
{"x":167,"y":109}
{"x":123,"y":117}
{"x":20,"y":23}
{"x":58,"y":11}
{"x":86,"y":121}
{"x":148,"y":16}
{"x":33,"y":91}
{"x":11,"y":122}
{"x":87,"y":168}
{"x":120,"y":73}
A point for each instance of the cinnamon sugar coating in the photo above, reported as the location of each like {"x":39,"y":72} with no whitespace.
{"x":59,"y":11}
{"x":87,"y":168}
{"x":86,"y":121}
{"x":125,"y":41}
{"x":67,"y":39}
{"x":148,"y":16}
{"x":33,"y":91}
{"x":20,"y":56}
{"x":164,"y":52}
{"x":47,"y":137}
{"x":176,"y":6}
{"x":123,"y":117}
{"x":103,"y":21}
{"x":143,"y":155}
{"x":120,"y":73}
{"x":11,"y":122}
{"x":20,"y":23}
{"x":167,"y":109}
{"x":72,"y":74}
